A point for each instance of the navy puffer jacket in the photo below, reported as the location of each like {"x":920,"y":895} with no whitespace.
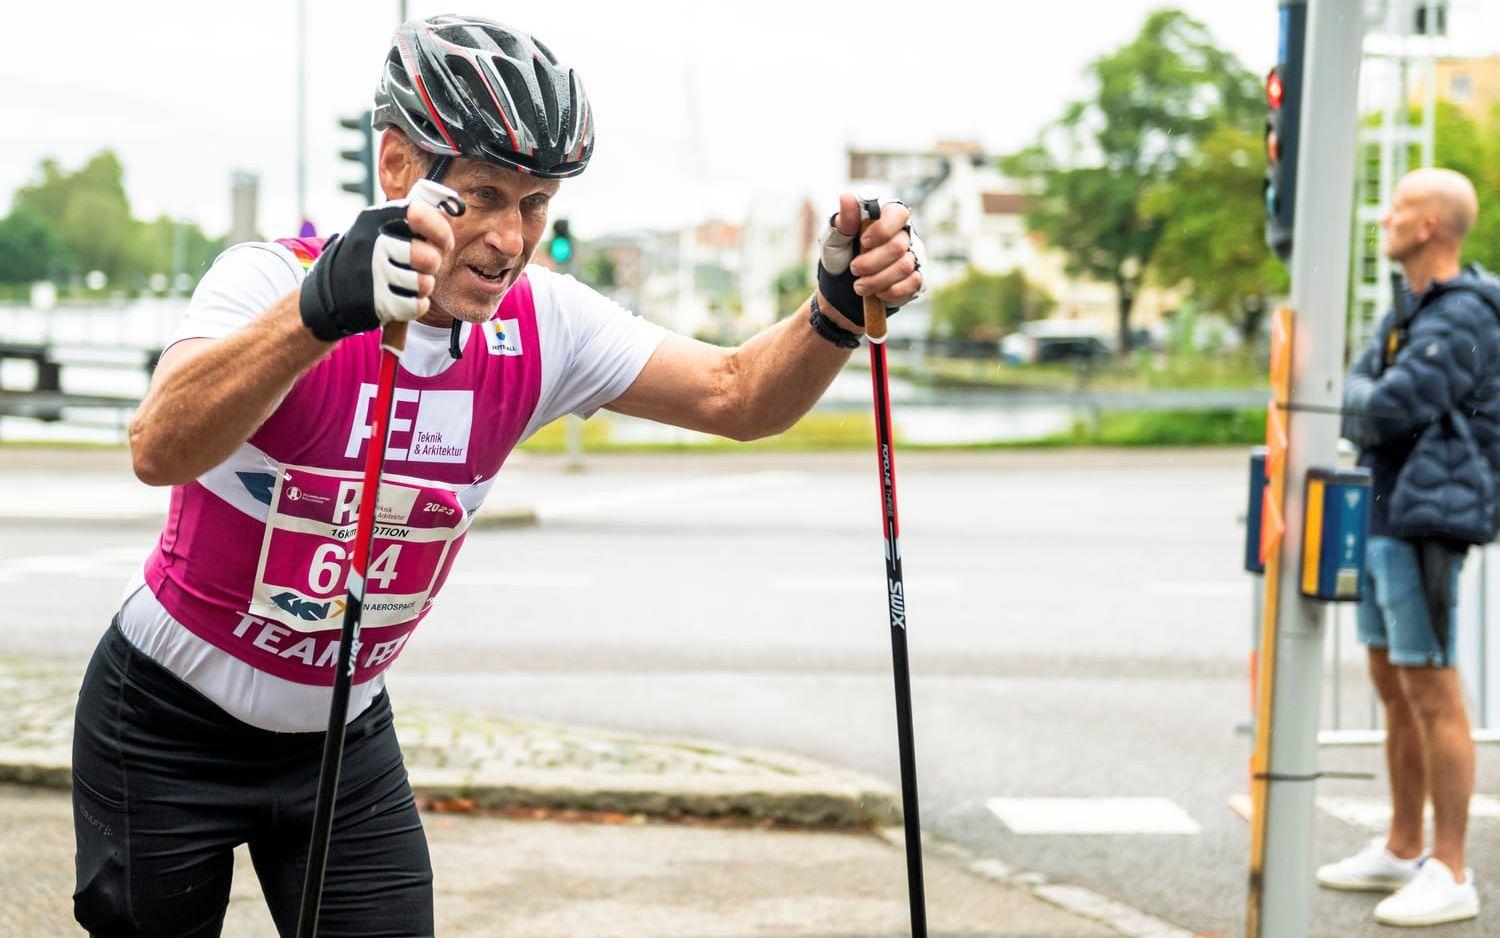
{"x":1424,"y":404}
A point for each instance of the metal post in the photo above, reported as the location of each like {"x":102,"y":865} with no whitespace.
{"x":1280,"y":895}
{"x":301,"y":111}
{"x":573,"y":426}
{"x":1338,"y":667}
{"x":1484,"y":629}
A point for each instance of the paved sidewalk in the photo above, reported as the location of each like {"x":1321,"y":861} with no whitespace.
{"x":547,"y":879}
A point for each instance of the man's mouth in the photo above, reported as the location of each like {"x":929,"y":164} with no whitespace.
{"x":492,"y":274}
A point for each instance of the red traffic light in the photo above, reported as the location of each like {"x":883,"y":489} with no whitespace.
{"x":1274,"y":88}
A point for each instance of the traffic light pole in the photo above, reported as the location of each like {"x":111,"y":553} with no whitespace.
{"x":1281,"y":878}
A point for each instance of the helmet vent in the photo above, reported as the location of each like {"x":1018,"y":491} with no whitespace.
{"x":475,"y":89}
{"x":549,"y":98}
{"x":395,"y":69}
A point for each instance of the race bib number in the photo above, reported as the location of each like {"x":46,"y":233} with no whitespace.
{"x":303,"y":575}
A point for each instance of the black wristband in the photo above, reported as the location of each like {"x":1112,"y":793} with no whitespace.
{"x":826,"y":328}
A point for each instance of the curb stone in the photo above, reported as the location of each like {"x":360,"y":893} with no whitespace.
{"x":499,"y":762}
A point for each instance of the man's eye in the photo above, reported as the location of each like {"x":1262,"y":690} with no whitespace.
{"x":484,"y":194}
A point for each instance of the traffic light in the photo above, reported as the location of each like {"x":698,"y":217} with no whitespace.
{"x":1284,"y":111}
{"x":364,"y":156}
{"x":561,"y":245}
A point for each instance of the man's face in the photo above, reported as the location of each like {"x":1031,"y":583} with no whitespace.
{"x":493,"y":240}
{"x":1406,"y":225}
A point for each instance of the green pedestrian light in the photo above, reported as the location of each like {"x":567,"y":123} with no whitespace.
{"x":561,"y":245}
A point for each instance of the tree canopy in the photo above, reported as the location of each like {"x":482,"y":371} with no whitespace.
{"x":64,"y":224}
{"x":983,"y":307}
{"x":1154,"y":102}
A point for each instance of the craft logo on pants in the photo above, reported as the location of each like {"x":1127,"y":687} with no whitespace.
{"x":503,"y":336}
{"x":426,"y":426}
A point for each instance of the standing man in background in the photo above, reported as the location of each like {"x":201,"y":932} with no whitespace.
{"x":1422,"y":403}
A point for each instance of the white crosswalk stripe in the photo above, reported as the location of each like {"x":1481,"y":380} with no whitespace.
{"x":1092,"y":816}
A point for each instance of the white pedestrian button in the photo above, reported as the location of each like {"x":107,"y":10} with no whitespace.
{"x":1092,"y":816}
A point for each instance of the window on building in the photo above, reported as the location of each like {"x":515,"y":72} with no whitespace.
{"x":1461,"y":89}
{"x":1370,"y":260}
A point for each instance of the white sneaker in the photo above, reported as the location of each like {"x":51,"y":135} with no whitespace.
{"x":1373,"y":869}
{"x":1431,"y":898}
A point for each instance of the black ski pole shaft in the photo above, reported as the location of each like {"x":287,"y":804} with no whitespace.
{"x":392,"y":340}
{"x":875,"y":330}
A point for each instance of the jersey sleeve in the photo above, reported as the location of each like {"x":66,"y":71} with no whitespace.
{"x":599,"y":347}
{"x":244,"y":281}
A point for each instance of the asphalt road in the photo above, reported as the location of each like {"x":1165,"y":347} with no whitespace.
{"x":1079,"y":628}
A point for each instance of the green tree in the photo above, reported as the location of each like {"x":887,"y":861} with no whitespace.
{"x":90,"y":209}
{"x":171,"y":246}
{"x":1153,"y":101}
{"x":1461,"y":144}
{"x":793,"y":286}
{"x":600,"y":271}
{"x":30,"y":248}
{"x":984,"y":307}
{"x":81,"y":221}
{"x":1211,"y":212}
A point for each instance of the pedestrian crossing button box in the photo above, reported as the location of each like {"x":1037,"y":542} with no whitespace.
{"x":1335,"y":528}
{"x":1253,"y":510}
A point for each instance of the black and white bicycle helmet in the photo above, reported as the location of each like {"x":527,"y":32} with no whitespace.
{"x":466,"y":86}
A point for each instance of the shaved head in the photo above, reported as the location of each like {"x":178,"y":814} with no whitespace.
{"x":1448,"y":197}
{"x":1430,"y":213}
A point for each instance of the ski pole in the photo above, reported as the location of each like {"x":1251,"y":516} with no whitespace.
{"x":392,"y":342}
{"x":875,"y":330}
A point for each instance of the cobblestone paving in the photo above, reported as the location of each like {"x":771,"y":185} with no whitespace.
{"x":39,"y":697}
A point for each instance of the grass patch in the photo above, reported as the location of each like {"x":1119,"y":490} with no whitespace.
{"x":1171,"y":428}
{"x":816,"y":432}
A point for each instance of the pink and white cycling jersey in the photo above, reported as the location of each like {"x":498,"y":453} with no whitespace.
{"x":245,"y":589}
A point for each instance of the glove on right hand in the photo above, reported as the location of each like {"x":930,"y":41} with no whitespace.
{"x":364,"y":279}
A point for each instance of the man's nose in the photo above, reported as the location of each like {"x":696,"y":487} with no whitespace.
{"x":506,"y":236}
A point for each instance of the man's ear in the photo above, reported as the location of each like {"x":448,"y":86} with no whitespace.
{"x":397,"y":166}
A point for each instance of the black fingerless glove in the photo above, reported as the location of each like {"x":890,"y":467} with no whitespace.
{"x":839,"y":288}
{"x":338,"y":294}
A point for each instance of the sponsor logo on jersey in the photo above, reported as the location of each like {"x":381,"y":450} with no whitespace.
{"x":502,"y":336}
{"x":302,"y":608}
{"x":426,"y":426}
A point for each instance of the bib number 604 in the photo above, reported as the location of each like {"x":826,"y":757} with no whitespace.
{"x":330,"y":560}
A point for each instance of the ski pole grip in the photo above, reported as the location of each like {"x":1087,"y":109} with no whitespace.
{"x":875,"y":327}
{"x":393,"y":337}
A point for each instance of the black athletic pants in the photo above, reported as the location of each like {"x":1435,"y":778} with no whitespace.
{"x":166,"y":785}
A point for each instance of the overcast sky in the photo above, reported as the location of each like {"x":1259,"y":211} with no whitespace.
{"x":701,"y":106}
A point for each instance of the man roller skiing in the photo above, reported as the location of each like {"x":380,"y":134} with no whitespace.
{"x":199,"y":722}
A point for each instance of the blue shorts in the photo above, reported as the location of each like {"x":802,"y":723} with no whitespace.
{"x":1393,"y":612}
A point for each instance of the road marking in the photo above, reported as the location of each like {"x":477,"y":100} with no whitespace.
{"x":1374,"y":814}
{"x":570,"y":506}
{"x":1092,"y":816}
{"x":1205,"y":589}
{"x":1116,"y":915}
{"x":856,"y":584}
